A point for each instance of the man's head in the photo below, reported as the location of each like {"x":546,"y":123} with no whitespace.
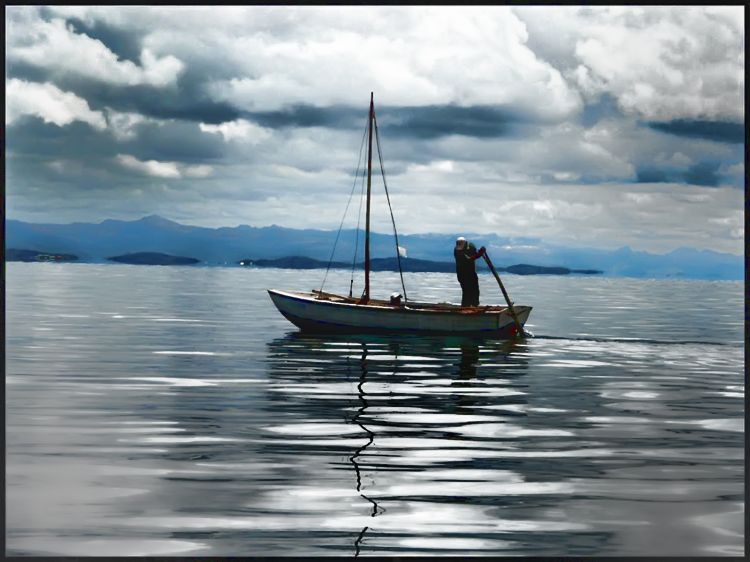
{"x":460,"y":243}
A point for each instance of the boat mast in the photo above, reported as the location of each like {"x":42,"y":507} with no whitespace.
{"x":366,"y":296}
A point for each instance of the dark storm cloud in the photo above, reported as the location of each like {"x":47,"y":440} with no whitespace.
{"x":35,"y":174}
{"x":425,"y":122}
{"x":336,"y":117}
{"x":189,"y":100}
{"x":32,"y":136}
{"x":125,"y":44}
{"x":174,"y":141}
{"x":186,"y":102}
{"x":654,"y":175}
{"x":158,"y":104}
{"x":433,"y":121}
{"x":179,"y":140}
{"x":27,"y":72}
{"x":705,"y":173}
{"x":719,"y":131}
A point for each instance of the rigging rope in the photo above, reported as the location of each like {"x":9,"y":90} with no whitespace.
{"x":356,"y":239}
{"x":387,"y":197}
{"x":356,"y":177}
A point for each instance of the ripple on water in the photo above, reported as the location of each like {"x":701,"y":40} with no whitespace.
{"x":156,"y":413}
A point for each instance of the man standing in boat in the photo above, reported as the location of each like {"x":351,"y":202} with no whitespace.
{"x":466,"y":254}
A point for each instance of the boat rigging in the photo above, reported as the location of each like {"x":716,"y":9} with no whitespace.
{"x":320,"y":311}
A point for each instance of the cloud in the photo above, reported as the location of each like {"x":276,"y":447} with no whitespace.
{"x":539,"y":119}
{"x":423,"y":122}
{"x":656,"y":157}
{"x":433,"y":121}
{"x":55,"y":46}
{"x":262,"y":59}
{"x":123,"y":125}
{"x":704,"y":172}
{"x":655,"y":175}
{"x":158,"y":169}
{"x":124,"y":43}
{"x":719,"y":131}
{"x":49,"y":103}
{"x":150,"y":167}
{"x":409,"y":56}
{"x":536,"y":154}
{"x":570,"y":153}
{"x":241,"y":129}
{"x":177,"y":140}
{"x":199,"y":171}
{"x":658,"y":63}
{"x":663,"y":64}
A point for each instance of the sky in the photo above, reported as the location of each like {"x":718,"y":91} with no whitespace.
{"x":589,"y":126}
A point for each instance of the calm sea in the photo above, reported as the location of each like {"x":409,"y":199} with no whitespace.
{"x":173,"y":411}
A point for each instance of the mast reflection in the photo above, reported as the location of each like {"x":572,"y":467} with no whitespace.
{"x":376,"y":509}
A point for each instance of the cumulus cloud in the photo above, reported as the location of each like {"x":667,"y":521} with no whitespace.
{"x":158,"y":169}
{"x":149,"y":167}
{"x":240,"y":129}
{"x":48,"y":102}
{"x":657,"y":157}
{"x":659,"y":63}
{"x":428,"y":56}
{"x":567,"y":152}
{"x":56,"y":47}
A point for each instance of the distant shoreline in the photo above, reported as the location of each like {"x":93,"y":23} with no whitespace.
{"x":409,"y":265}
{"x":13,"y":254}
{"x":292,"y":262}
{"x":137,"y":258}
{"x":340,"y":265}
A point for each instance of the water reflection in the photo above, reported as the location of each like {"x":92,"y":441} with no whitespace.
{"x":376,"y":509}
{"x":413,"y":402}
{"x":459,"y":438}
{"x":467,"y":367}
{"x":149,"y":430}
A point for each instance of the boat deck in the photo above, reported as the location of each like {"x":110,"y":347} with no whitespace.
{"x":414,"y":305}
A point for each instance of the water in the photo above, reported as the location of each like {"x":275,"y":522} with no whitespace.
{"x":174,"y":411}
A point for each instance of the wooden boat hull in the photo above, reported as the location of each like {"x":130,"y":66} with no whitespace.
{"x":331,"y":313}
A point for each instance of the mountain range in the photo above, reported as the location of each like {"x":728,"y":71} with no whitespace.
{"x":94,"y":242}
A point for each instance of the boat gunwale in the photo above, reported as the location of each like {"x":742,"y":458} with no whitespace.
{"x":490,"y":310}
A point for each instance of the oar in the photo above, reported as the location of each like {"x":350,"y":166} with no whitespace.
{"x":505,"y":294}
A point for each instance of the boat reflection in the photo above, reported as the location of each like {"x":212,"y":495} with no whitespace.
{"x":467,"y":367}
{"x":413,"y":397}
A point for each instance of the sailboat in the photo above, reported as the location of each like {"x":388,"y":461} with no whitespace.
{"x":319,"y":311}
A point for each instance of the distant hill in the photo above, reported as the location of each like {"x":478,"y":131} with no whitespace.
{"x":94,"y":242}
{"x":376,"y":264}
{"x":294,"y":262}
{"x":14,"y":254}
{"x":526,"y":269}
{"x":153,"y":258}
{"x":407,"y":264}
